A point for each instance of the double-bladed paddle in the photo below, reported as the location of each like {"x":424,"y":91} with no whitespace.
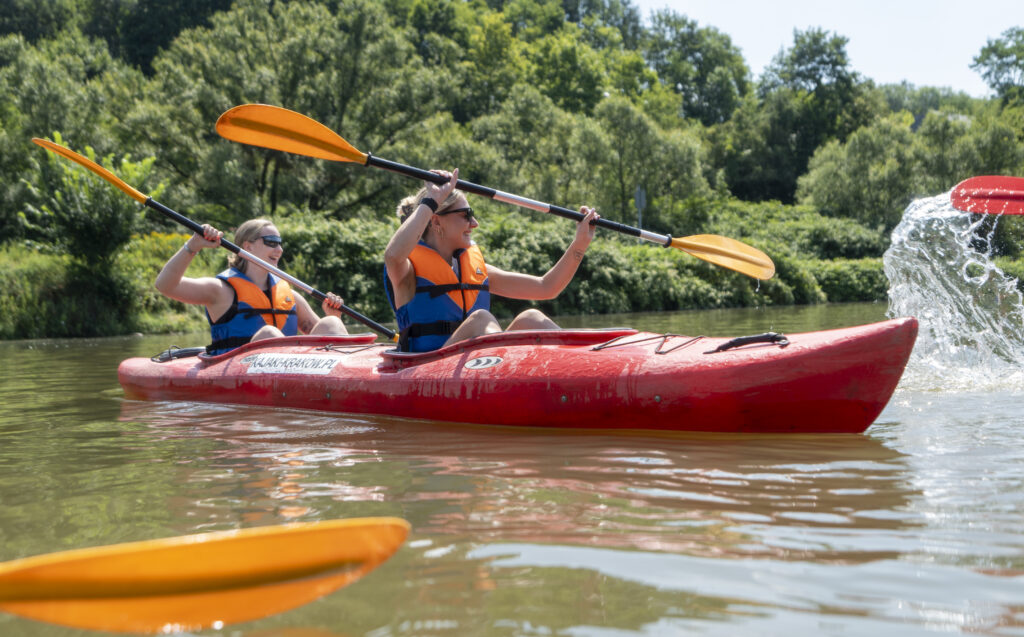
{"x":197,"y":581}
{"x":990,"y":194}
{"x":198,"y":229}
{"x":282,"y":129}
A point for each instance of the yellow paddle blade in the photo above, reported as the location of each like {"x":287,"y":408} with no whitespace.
{"x":281,"y":129}
{"x":728,"y":253}
{"x":93,"y":166}
{"x":197,"y":581}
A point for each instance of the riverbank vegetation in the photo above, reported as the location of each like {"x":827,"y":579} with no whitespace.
{"x":567,"y":101}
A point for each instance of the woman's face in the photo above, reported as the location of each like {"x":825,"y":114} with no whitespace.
{"x":457,"y":221}
{"x":268,"y":246}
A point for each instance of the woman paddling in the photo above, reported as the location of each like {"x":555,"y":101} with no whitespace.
{"x":246,"y":302}
{"x":438,"y":283}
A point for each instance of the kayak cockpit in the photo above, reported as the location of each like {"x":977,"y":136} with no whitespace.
{"x":302,"y":339}
{"x":332,"y":342}
{"x":394,"y":360}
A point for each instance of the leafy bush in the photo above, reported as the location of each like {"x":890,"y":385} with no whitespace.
{"x":74,"y":210}
{"x":141,"y":261}
{"x":849,"y":280}
{"x":798,"y":230}
{"x":52,"y":296}
{"x":1013,"y":268}
{"x":55,"y":296}
{"x":344,"y":258}
{"x":24,"y":275}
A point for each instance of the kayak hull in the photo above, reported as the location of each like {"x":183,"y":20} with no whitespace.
{"x":835,"y":381}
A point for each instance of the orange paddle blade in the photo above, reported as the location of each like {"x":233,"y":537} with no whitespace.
{"x":728,"y":253}
{"x":93,"y":166}
{"x":197,"y":581}
{"x":281,"y":129}
{"x":994,"y":195}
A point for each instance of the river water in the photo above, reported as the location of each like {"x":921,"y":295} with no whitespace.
{"x":915,"y":527}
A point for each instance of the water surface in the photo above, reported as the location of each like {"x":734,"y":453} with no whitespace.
{"x":914,"y":528}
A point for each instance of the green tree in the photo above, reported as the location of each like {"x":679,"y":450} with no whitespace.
{"x":350,"y":70}
{"x":818,"y":66}
{"x":545,"y":153}
{"x":955,"y":146}
{"x":35,"y":20}
{"x":440,"y":33}
{"x":807,"y":96}
{"x":667,"y":164}
{"x":77,"y":214}
{"x":534,"y":19}
{"x":816,"y":60}
{"x":149,"y":26}
{"x":567,"y":70}
{"x":758,"y":148}
{"x":134,"y":30}
{"x":493,"y":66}
{"x":871,"y":177}
{"x":918,"y":101}
{"x":944,"y":152}
{"x":104,"y":20}
{"x":74,"y":210}
{"x":1001,"y":64}
{"x":999,"y":139}
{"x":629,"y":74}
{"x":701,"y":64}
{"x":69,"y":83}
{"x":606,"y":23}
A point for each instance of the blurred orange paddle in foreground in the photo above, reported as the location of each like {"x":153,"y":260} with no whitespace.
{"x":197,"y":581}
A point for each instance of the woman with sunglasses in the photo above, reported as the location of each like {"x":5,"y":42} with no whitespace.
{"x":438,"y":283}
{"x":246,"y":302}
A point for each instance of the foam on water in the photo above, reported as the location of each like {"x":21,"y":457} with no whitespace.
{"x":941,"y":270}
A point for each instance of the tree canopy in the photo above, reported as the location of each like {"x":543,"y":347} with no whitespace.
{"x":1001,"y":64}
{"x":568,"y":101}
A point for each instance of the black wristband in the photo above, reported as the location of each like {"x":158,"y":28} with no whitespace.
{"x":429,"y":203}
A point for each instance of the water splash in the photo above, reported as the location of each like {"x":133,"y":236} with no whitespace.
{"x":940,"y":269}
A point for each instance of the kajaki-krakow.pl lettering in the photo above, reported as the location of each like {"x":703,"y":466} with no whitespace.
{"x":312,"y":364}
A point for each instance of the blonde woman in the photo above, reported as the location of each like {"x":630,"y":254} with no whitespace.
{"x":246,"y":302}
{"x":438,"y":283}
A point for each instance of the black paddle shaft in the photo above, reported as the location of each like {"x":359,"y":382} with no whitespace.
{"x":188,"y":223}
{"x":491,"y":193}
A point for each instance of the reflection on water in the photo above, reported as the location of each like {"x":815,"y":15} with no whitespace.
{"x":912,"y":528}
{"x":494,"y":484}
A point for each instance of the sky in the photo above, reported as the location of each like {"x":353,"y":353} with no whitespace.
{"x":925,"y":42}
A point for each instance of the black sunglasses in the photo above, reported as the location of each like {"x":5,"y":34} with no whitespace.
{"x":272,"y":241}
{"x":467,"y":212}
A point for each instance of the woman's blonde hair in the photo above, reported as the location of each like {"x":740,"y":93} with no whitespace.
{"x":248,"y":231}
{"x":408,"y":205}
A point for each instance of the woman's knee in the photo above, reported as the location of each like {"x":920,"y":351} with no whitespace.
{"x":329,"y":325}
{"x":532,"y":315}
{"x":265,"y":332}
{"x":478,"y":323}
{"x":532,"y":319}
{"x":481,"y":318}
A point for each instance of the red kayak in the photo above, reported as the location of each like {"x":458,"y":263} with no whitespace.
{"x":834,"y":381}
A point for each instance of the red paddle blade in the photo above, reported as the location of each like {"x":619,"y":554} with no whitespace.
{"x":993,"y":195}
